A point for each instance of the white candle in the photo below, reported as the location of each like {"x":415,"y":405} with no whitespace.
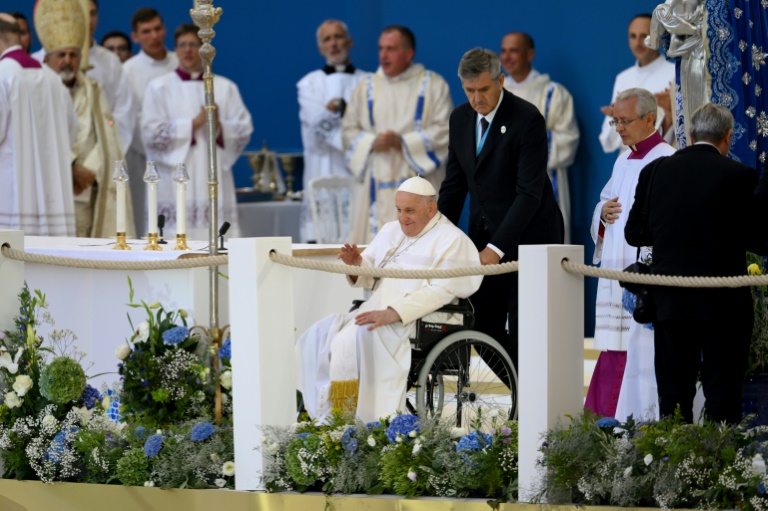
{"x":181,"y":208}
{"x":152,"y":207}
{"x":120,"y":206}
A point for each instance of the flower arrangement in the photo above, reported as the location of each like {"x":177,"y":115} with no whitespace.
{"x":164,"y":370}
{"x":666,"y":464}
{"x":758,"y":353}
{"x":400,"y":454}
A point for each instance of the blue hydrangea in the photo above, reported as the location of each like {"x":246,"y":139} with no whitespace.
{"x":761,"y":488}
{"x":373,"y":425}
{"x":628,"y":303}
{"x":153,"y":445}
{"x":226,"y":349}
{"x":58,"y":444}
{"x":201,"y":431}
{"x":474,"y":442}
{"x":89,"y":397}
{"x":175,"y":335}
{"x":349,"y":440}
{"x":302,"y":435}
{"x":607,"y":423}
{"x":140,"y":431}
{"x":403,"y":425}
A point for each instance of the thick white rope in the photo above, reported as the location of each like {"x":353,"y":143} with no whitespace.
{"x":100,"y":264}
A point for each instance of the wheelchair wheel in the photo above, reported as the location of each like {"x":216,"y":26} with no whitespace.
{"x":467,"y":376}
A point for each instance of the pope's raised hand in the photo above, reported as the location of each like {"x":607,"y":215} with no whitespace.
{"x":350,"y":255}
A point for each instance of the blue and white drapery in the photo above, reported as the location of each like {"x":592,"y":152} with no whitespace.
{"x":737,"y":46}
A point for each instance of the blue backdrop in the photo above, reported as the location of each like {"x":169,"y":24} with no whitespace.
{"x":266,"y":47}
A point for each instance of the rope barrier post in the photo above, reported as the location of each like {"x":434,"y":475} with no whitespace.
{"x":551,"y":350}
{"x":11,"y":279}
{"x":263,"y":368}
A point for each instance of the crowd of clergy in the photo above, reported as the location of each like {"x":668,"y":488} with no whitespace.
{"x":62,"y":129}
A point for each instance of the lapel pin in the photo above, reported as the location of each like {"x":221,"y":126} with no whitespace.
{"x":503,"y":129}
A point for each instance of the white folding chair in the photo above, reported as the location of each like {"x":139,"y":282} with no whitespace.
{"x":330,"y":200}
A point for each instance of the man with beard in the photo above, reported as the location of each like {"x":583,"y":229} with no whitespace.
{"x":36,"y":125}
{"x":97,"y":145}
{"x":323,"y":96}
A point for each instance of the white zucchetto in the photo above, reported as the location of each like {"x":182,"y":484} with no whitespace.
{"x":417,"y":185}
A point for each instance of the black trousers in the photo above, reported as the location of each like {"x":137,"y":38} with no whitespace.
{"x":717,"y":348}
{"x":496,"y":304}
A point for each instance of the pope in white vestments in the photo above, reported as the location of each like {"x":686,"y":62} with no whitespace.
{"x":323,"y":95}
{"x":361,"y":359}
{"x":395,"y":127}
{"x":37,"y":127}
{"x":624,"y":380}
{"x":174,"y":131}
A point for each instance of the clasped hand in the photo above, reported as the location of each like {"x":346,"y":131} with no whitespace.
{"x":610,"y":211}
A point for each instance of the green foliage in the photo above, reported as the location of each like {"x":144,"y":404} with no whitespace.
{"x":133,"y":468}
{"x":164,"y":380}
{"x":667,"y":463}
{"x":62,"y":381}
{"x":758,"y":353}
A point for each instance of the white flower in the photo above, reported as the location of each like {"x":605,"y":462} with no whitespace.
{"x":412,"y":475}
{"x":142,"y":332}
{"x":228,"y":468}
{"x":224,"y":398}
{"x":84,"y":414}
{"x":758,"y":465}
{"x":226,"y":379}
{"x":159,"y":432}
{"x":149,"y":484}
{"x":106,"y":402}
{"x":399,"y":439}
{"x":49,"y":421}
{"x":214,"y":457}
{"x":627,"y":471}
{"x":412,"y":434}
{"x":12,"y":400}
{"x":122,"y":351}
{"x":221,"y":483}
{"x":493,"y":413}
{"x":371,"y":441}
{"x":273,"y":448}
{"x":648,"y":459}
{"x":457,"y":432}
{"x":22,"y":384}
{"x":11,"y":365}
{"x":416,"y":448}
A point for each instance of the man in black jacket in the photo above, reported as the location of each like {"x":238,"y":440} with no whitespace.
{"x":498,"y":154}
{"x":694,"y":196}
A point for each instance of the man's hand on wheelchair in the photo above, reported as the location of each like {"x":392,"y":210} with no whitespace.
{"x":489,"y":256}
{"x":377,"y":318}
{"x":350,"y":255}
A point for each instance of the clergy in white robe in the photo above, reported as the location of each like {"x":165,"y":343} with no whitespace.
{"x":395,"y":127}
{"x":37,"y":126}
{"x":174,"y":131}
{"x":651,"y":72}
{"x":555,"y":104}
{"x":323,"y":95}
{"x":360,"y":360}
{"x":624,"y":381}
{"x":106,"y":68}
{"x":153,"y":61}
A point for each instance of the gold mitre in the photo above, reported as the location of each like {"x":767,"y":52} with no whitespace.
{"x":60,"y":24}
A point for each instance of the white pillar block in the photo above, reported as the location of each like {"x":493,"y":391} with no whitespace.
{"x":11,"y":279}
{"x":551,"y":350}
{"x":263,"y":368}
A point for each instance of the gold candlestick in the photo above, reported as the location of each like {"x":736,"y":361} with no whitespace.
{"x":120,"y":244}
{"x":181,"y":242}
{"x":152,"y":242}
